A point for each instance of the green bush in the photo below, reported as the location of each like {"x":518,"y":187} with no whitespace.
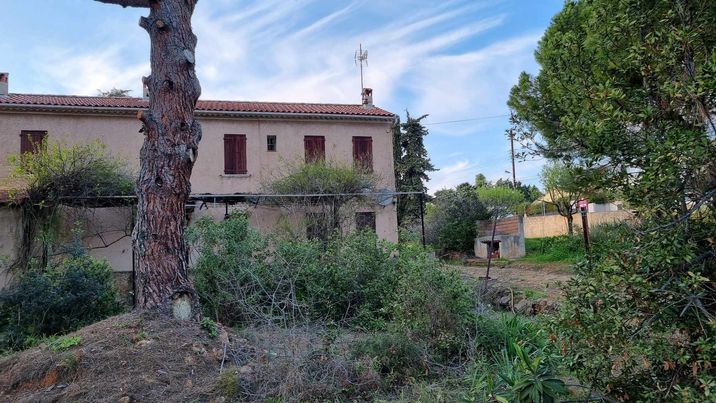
{"x":638,"y":323}
{"x":74,"y":293}
{"x":356,"y":280}
{"x":433,"y":303}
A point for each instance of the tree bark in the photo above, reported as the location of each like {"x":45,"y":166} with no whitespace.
{"x":166,"y":160}
{"x":570,"y":224}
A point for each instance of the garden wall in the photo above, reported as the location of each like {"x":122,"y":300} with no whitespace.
{"x":555,"y":224}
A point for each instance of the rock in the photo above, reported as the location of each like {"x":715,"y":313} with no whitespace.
{"x":505,"y":301}
{"x":245,"y":370}
{"x":524,"y":307}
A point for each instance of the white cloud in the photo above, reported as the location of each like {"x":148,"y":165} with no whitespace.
{"x":86,"y":73}
{"x":452,"y":175}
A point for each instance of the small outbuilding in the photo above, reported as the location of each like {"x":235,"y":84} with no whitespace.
{"x":509,"y":238}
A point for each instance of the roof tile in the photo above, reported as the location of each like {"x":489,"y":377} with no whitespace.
{"x":208,"y":106}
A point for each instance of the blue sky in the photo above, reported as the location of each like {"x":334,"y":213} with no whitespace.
{"x":453,"y":60}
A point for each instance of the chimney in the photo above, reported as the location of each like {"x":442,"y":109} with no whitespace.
{"x":367,"y":95}
{"x":4,"y":85}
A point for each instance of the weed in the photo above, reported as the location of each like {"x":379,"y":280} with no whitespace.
{"x":64,"y":343}
{"x":534,"y":294}
{"x":210,"y":327}
{"x":228,"y":384}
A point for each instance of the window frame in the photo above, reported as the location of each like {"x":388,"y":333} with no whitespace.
{"x":361,"y":223}
{"x":271,"y":147}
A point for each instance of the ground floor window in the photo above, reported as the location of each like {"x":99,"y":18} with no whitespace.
{"x":365,"y":221}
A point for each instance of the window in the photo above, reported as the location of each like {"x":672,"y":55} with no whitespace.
{"x":363,"y":153}
{"x":317,"y":226}
{"x":365,"y":221}
{"x":315,"y":148}
{"x":31,"y":141}
{"x":270,"y":143}
{"x":235,"y":154}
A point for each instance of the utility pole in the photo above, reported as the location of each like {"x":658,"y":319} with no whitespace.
{"x":512,"y":151}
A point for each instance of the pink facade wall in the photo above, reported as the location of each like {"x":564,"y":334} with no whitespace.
{"x":120,"y":134}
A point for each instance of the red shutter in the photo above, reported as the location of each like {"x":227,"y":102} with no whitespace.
{"x":315,"y":148}
{"x":32,"y":141}
{"x":321,"y":149}
{"x":25,"y":143}
{"x":241,"y":167}
{"x":229,"y":154}
{"x":363,"y":153}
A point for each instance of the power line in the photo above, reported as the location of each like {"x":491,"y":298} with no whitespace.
{"x":466,"y":120}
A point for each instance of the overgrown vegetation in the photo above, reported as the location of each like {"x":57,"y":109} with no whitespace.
{"x":328,"y":194}
{"x":51,"y":301}
{"x":62,"y":175}
{"x":409,"y":318}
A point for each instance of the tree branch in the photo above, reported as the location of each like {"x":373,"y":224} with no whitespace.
{"x":129,"y":3}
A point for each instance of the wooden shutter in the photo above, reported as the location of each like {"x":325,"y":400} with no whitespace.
{"x":31,"y":141}
{"x":363,"y":153}
{"x":241,"y":154}
{"x":229,"y":154}
{"x":315,"y":148}
{"x":235,"y":154}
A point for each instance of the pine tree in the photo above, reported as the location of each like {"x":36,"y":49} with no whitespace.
{"x":411,"y":165}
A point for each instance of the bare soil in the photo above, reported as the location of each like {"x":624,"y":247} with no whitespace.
{"x":127,"y":358}
{"x":541,"y":278}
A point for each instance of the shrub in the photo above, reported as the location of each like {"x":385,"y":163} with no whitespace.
{"x":638,"y":323}
{"x":433,"y":303}
{"x":451,"y":218}
{"x":394,"y":355}
{"x":353,"y":280}
{"x":69,"y":295}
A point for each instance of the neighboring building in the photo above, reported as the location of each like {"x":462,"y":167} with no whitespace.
{"x":244,"y":145}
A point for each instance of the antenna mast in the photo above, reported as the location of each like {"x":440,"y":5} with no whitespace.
{"x":360,"y":57}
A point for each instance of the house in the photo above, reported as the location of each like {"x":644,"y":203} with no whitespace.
{"x":244,"y":145}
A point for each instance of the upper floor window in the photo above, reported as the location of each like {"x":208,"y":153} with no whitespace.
{"x":315,"y":148}
{"x":235,"y":154}
{"x":270,"y":143}
{"x":32,"y":141}
{"x":363,"y":153}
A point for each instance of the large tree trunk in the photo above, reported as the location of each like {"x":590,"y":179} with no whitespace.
{"x":570,"y":224}
{"x":167,"y":157}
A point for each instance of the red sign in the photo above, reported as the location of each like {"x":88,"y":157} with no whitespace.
{"x":583,"y":203}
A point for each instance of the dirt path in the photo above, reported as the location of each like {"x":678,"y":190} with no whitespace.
{"x":533,"y":281}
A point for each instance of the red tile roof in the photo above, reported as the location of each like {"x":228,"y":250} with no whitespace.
{"x":70,"y":101}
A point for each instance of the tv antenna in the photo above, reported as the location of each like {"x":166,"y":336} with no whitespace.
{"x":360,"y":57}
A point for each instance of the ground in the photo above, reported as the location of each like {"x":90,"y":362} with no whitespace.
{"x":536,"y":279}
{"x":127,"y":358}
{"x":141,"y":356}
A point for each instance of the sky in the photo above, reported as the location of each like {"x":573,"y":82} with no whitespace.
{"x":452,"y":60}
